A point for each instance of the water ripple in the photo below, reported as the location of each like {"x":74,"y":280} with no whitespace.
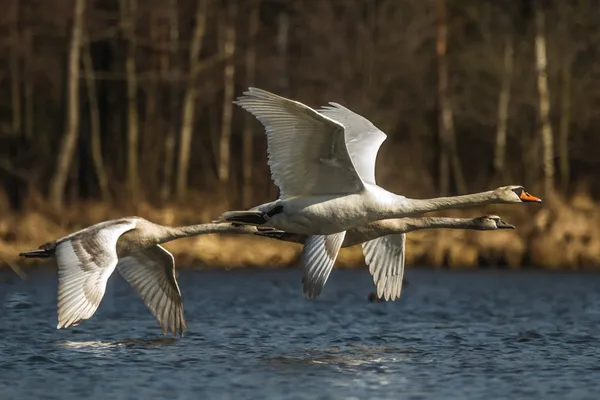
{"x":482,"y":335}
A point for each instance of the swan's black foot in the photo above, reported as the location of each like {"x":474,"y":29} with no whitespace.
{"x":267,"y":231}
{"x":37,"y":253}
{"x":245,"y":217}
{"x":250,"y":217}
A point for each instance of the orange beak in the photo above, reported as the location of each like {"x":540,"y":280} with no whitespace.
{"x":526,"y":197}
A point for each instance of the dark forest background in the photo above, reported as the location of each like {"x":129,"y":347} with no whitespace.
{"x":127,"y":102}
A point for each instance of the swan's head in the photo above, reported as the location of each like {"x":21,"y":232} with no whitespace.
{"x":491,"y":223}
{"x":516,"y":194}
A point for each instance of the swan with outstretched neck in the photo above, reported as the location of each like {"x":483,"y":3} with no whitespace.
{"x":315,"y":275}
{"x":323,"y":162}
{"x":132,"y":246}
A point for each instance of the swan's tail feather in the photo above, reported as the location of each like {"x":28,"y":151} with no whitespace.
{"x":37,"y":253}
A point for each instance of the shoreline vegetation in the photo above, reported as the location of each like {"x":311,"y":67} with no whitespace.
{"x":557,"y":235}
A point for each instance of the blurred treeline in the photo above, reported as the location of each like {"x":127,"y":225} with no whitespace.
{"x":127,"y":100}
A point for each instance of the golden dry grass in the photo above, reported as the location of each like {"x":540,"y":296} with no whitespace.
{"x":558,"y":234}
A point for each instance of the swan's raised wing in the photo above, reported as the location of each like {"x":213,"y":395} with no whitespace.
{"x":318,"y":256}
{"x":363,"y":139}
{"x":151,"y":273}
{"x":385,"y":257}
{"x":307,"y":150}
{"x":85,"y":262}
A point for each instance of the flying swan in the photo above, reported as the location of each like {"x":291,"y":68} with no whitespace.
{"x":383,"y":228}
{"x":87,"y":258}
{"x":324,"y":165}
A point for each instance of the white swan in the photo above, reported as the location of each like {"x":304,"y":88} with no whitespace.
{"x":324,"y":165}
{"x":88,"y":257}
{"x":314,"y":279}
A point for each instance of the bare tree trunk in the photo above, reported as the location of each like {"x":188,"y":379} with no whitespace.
{"x":15,"y":70}
{"x":28,"y":82}
{"x":565,"y":120}
{"x":283,"y":28}
{"x":459,"y":178}
{"x":95,"y":126}
{"x":67,"y":148}
{"x":128,"y":12}
{"x":247,"y":138}
{"x":447,"y":123}
{"x":229,"y":75}
{"x":445,"y":117}
{"x":503,"y":104}
{"x":368,"y":53}
{"x":189,"y":105}
{"x":167,"y":182}
{"x":542,"y":82}
{"x":151,"y":147}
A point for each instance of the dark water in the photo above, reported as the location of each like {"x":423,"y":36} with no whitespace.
{"x":479,"y":335}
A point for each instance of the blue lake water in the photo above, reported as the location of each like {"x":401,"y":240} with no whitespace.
{"x":452,"y":335}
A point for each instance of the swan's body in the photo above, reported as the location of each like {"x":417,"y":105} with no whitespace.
{"x":328,"y":214}
{"x":324,"y":165}
{"x":88,"y":257}
{"x":391,"y":233}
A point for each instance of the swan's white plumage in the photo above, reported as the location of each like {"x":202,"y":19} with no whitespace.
{"x":307,"y":150}
{"x":324,"y":165}
{"x":363,"y":139}
{"x":385,"y":257}
{"x":318,"y":257}
{"x":84,"y":266}
{"x":151,"y":272}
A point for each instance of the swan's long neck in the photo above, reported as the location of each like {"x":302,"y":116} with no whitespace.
{"x":178,"y":232}
{"x":417,"y":224}
{"x":403,"y":207}
{"x":403,"y":225}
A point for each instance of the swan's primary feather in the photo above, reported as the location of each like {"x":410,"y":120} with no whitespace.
{"x":385,"y":257}
{"x":306,"y":150}
{"x":318,"y":256}
{"x":85,"y":262}
{"x":363,"y":139}
{"x":151,"y":272}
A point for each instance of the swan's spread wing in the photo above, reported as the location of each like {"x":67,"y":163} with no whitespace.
{"x":151,"y":273}
{"x":307,"y":150}
{"x":318,"y":257}
{"x":385,"y":258}
{"x":85,"y":262}
{"x":363,"y":139}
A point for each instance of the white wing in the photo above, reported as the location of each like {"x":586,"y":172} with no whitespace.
{"x":318,"y":256}
{"x":85,"y":262}
{"x":385,"y":258}
{"x":363,"y":139}
{"x":307,"y":150}
{"x":151,"y":273}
